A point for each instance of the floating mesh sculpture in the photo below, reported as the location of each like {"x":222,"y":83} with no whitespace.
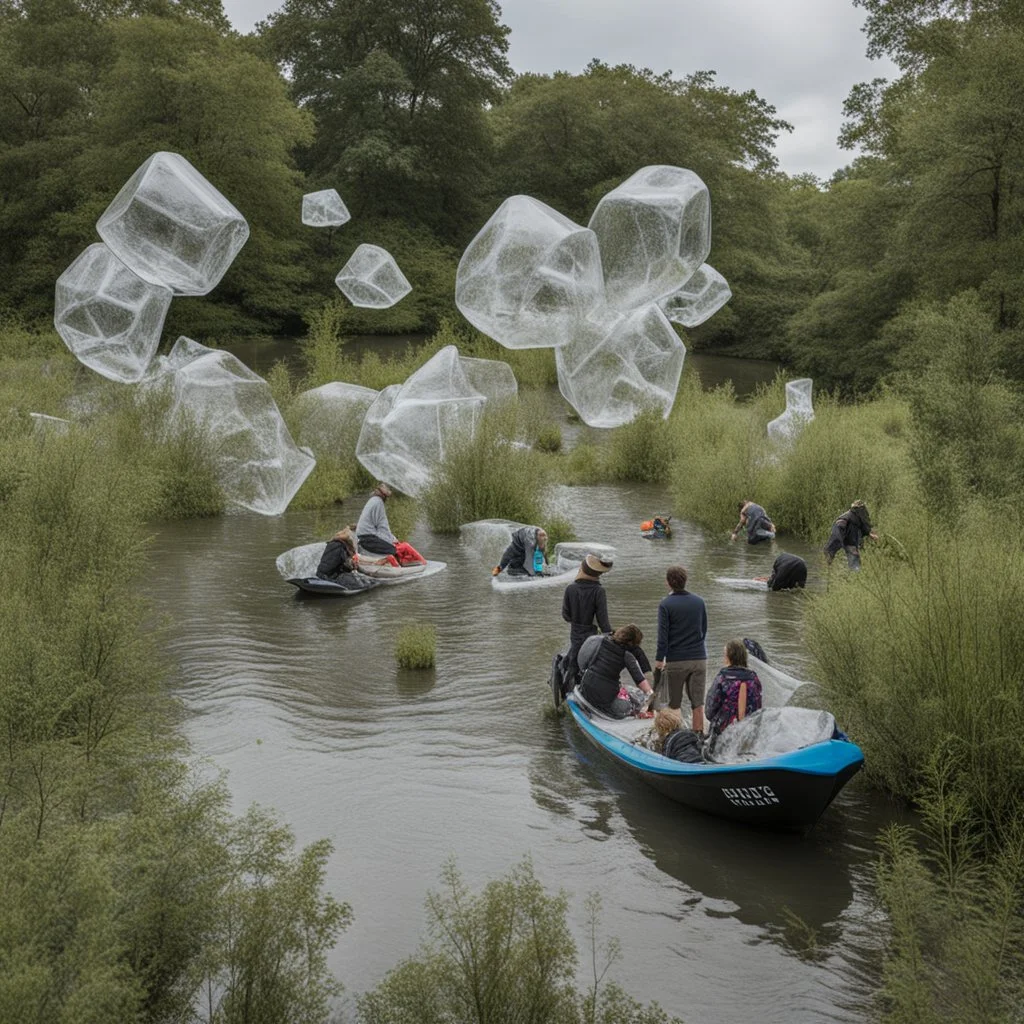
{"x":259,"y":466}
{"x":703,"y":295}
{"x":532,"y":278}
{"x":172,"y":227}
{"x":328,"y":419}
{"x":773,"y":731}
{"x":371,"y":278}
{"x":108,"y":316}
{"x":324,"y":209}
{"x":799,"y":411}
{"x":300,"y":562}
{"x":529,"y":276}
{"x":409,"y":426}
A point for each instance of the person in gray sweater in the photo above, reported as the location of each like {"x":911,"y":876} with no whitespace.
{"x":373,"y":530}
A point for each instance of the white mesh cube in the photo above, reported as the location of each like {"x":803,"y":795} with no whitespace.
{"x":371,"y":278}
{"x":529,"y":275}
{"x":259,"y":466}
{"x":328,"y":419}
{"x":172,"y":227}
{"x":324,"y":209}
{"x":798,"y":413}
{"x":108,"y":316}
{"x":703,"y":295}
{"x":620,"y":365}
{"x":654,"y":231}
{"x":408,"y":428}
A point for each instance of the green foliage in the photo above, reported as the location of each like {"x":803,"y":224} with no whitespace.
{"x":549,"y":438}
{"x":643,"y":449}
{"x":503,"y":954}
{"x":416,"y":646}
{"x":558,"y":529}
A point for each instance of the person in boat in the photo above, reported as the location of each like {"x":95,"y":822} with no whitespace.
{"x":339,"y":556}
{"x":682,"y":655}
{"x":788,"y":573}
{"x":585,"y":608}
{"x":735,"y":691}
{"x":755,"y":521}
{"x":666,"y":721}
{"x":373,"y":532}
{"x":520,"y":558}
{"x":849,"y":532}
{"x":601,"y":661}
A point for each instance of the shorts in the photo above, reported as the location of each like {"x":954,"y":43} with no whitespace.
{"x":686,"y":679}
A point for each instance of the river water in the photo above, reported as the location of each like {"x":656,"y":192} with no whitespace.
{"x":301,"y":702}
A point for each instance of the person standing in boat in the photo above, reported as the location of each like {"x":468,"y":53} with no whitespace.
{"x":849,"y":532}
{"x":735,"y":692}
{"x":682,"y":655}
{"x":374,"y":532}
{"x":755,"y":521}
{"x":585,"y":608}
{"x":525,"y":554}
{"x":601,"y":661}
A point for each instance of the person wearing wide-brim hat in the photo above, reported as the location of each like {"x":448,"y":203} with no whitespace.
{"x":585,"y":608}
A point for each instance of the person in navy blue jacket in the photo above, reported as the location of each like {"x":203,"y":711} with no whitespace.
{"x":682,"y":655}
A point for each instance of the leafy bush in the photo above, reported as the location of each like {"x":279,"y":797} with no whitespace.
{"x":549,"y":438}
{"x":558,"y":529}
{"x":644,"y":449}
{"x":416,"y":646}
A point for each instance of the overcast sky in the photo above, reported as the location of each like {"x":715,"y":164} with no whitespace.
{"x":802,"y":56}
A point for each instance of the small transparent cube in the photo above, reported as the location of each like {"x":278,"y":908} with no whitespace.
{"x":699,"y":299}
{"x":324,"y":209}
{"x":172,"y":227}
{"x":108,"y":316}
{"x":371,"y":278}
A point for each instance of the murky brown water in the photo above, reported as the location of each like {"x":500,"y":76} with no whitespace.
{"x":301,"y":702}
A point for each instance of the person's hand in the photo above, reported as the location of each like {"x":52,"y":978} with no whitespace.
{"x":873,"y":535}
{"x":732,"y":536}
{"x":659,"y":664}
{"x":496,"y":570}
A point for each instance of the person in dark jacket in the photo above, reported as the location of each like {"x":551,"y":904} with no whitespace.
{"x":849,"y":532}
{"x":682,"y":655}
{"x":788,"y":573}
{"x":735,"y":692}
{"x":518,"y":557}
{"x":601,"y":660}
{"x":755,"y":521}
{"x":585,"y":608}
{"x":339,"y":556}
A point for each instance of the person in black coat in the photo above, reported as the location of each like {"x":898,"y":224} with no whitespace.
{"x":601,"y":660}
{"x":788,"y":573}
{"x":339,"y":556}
{"x":585,"y":608}
{"x":849,"y":532}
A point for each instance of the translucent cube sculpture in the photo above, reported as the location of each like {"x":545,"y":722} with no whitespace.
{"x":108,"y":316}
{"x":259,"y":465}
{"x":569,"y":553}
{"x":328,"y":419}
{"x":799,"y":411}
{"x":699,"y":299}
{"x":371,"y":278}
{"x":529,"y":275}
{"x":619,"y":364}
{"x":409,"y":426}
{"x":300,"y":562}
{"x":773,"y":731}
{"x":654,"y":231}
{"x":324,"y":209}
{"x":172,"y":227}
{"x":489,"y":537}
{"x":48,"y":426}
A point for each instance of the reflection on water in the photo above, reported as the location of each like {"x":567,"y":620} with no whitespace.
{"x":302,"y":703}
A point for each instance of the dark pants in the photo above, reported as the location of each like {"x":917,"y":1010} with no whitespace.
{"x":376,"y":545}
{"x":835,"y":545}
{"x":576,"y":640}
{"x":603,"y":694}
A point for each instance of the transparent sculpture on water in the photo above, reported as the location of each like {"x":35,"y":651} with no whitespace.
{"x":328,"y":419}
{"x":301,"y":562}
{"x":773,"y":731}
{"x":799,"y":411}
{"x":324,"y":209}
{"x":529,"y":276}
{"x":108,"y":316}
{"x":371,"y":278}
{"x":172,"y":227}
{"x":409,"y":426}
{"x":699,"y":299}
{"x":259,"y":466}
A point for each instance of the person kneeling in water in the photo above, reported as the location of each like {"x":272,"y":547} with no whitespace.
{"x":339,"y":556}
{"x":520,"y":558}
{"x":601,"y":660}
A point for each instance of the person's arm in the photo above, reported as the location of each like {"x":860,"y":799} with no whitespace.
{"x":633,"y":667}
{"x":713,"y":703}
{"x":659,"y":651}
{"x":601,"y":611}
{"x":736,"y":529}
{"x":566,"y":605}
{"x":741,"y":704}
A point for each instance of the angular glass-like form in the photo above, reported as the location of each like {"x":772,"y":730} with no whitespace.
{"x":48,"y":426}
{"x":654,"y":231}
{"x":773,"y":731}
{"x":300,"y":562}
{"x":569,"y":553}
{"x":259,"y":465}
{"x":324,"y":209}
{"x":108,"y":316}
{"x":371,"y":278}
{"x":620,"y":364}
{"x":699,"y":299}
{"x":529,"y":275}
{"x":409,"y":426}
{"x":328,"y":419}
{"x":172,"y":227}
{"x":799,"y":411}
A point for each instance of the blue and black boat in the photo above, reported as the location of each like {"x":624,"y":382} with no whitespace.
{"x":784,"y":790}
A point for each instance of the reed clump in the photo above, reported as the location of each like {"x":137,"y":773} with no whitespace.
{"x":416,"y":646}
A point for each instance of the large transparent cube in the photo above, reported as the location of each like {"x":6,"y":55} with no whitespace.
{"x":324,"y":209}
{"x":328,"y":419}
{"x":371,"y":278}
{"x":172,"y":227}
{"x":529,"y":275}
{"x":703,"y":295}
{"x":108,"y":316}
{"x":798,"y":413}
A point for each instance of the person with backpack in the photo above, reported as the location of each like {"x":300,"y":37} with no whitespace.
{"x":735,"y":691}
{"x":525,"y":554}
{"x":848,"y":534}
{"x":755,"y":520}
{"x":601,"y":661}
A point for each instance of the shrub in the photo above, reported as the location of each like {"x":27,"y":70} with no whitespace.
{"x":416,"y":646}
{"x":549,"y":438}
{"x":558,"y":529}
{"x":644,"y":449}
